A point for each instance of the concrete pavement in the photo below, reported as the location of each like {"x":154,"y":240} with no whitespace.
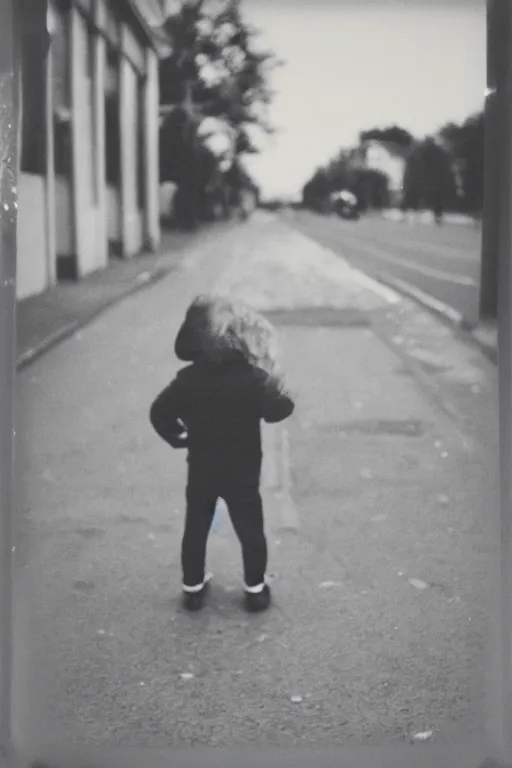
{"x":46,"y":319}
{"x":374,"y":493}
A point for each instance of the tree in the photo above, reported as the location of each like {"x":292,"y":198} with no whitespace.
{"x":346,"y":172}
{"x":214,"y":70}
{"x":371,"y":188}
{"x":466,"y":145}
{"x":394,"y":135}
{"x":316,"y":191}
{"x":428,"y":179}
{"x":338,"y":172}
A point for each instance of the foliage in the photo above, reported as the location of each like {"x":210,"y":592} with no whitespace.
{"x":429,"y":180}
{"x":215,"y":70}
{"x":443,"y":174}
{"x":466,"y":145}
{"x":371,"y":188}
{"x":345,"y":172}
{"x":316,"y":191}
{"x":393,"y":134}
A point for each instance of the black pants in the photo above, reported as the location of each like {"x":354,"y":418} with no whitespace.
{"x":246,"y":512}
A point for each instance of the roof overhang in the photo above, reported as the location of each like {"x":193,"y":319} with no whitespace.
{"x":152,"y":36}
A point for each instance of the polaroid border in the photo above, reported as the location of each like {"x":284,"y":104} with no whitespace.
{"x":498,"y":230}
{"x":9,"y":141}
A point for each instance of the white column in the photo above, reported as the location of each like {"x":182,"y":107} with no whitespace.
{"x":128,"y":125}
{"x":100,"y":63}
{"x":151,"y":151}
{"x":51,"y":247}
{"x":83,"y":140}
{"x":76,"y":173}
{"x":126,"y":155}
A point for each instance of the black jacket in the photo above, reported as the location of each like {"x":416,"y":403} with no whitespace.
{"x":215,"y":411}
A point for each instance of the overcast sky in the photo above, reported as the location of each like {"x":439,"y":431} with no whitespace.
{"x":352,"y":65}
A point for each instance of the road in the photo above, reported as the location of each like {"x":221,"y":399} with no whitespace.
{"x":373,"y":495}
{"x":442,"y":262}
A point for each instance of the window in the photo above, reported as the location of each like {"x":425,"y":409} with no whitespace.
{"x":60,"y":53}
{"x":62,"y":146}
{"x":90,"y":53}
{"x":141,"y":165}
{"x":34,"y":50}
{"x":112,"y":142}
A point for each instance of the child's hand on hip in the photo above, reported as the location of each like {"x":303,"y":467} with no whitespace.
{"x":182,"y":439}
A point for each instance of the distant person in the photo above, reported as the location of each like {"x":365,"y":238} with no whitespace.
{"x":438,"y":211}
{"x":436,"y":206}
{"x":214,"y":408}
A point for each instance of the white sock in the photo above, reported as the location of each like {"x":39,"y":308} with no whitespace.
{"x":197,"y":587}
{"x":257,"y":589}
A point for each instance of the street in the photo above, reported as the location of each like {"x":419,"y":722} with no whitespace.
{"x":442,"y":262}
{"x":374,"y":493}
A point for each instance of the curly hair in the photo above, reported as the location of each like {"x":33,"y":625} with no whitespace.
{"x":219,"y":329}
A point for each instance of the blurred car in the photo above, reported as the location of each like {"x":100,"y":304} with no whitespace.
{"x":272,"y":204}
{"x":345,"y":204}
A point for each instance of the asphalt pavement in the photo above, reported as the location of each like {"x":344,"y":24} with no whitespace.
{"x":442,"y":262}
{"x":374,"y":491}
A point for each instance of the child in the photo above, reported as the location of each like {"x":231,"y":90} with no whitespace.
{"x":214,"y":407}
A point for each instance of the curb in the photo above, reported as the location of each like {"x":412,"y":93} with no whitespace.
{"x":446,"y":313}
{"x":489,"y":348}
{"x":30,"y":355}
{"x":437,"y":307}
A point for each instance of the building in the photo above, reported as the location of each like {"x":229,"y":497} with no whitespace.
{"x":390,"y":159}
{"x":89,"y":181}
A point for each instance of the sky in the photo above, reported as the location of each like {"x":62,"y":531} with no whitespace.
{"x":351,"y":66}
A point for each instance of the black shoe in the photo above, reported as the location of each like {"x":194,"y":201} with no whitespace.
{"x":194,"y":601}
{"x":257,"y":601}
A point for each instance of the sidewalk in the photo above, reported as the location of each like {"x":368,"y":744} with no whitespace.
{"x":373,"y":494}
{"x":483,"y":335}
{"x":54,"y":315}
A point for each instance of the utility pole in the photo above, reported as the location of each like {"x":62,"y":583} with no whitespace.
{"x":498,"y":293}
{"x":498,"y":17}
{"x":9,"y":140}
